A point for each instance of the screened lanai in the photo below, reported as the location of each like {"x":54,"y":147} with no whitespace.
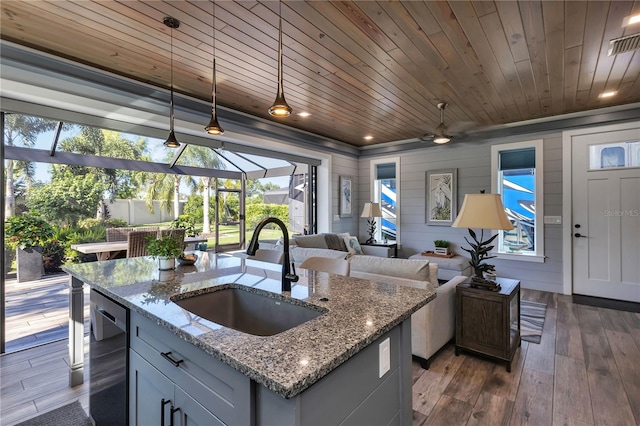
{"x":84,"y":178}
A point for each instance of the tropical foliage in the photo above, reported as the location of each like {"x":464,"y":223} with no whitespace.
{"x":479,"y":253}
{"x":27,"y":230}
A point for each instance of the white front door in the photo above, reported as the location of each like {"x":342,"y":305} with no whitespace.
{"x":606,"y":214}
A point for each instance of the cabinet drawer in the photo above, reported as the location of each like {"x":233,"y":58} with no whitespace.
{"x":218,"y":387}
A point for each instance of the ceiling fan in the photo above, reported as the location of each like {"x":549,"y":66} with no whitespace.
{"x":443,"y":134}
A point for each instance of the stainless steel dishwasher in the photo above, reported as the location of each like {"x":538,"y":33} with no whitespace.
{"x":108,"y":361}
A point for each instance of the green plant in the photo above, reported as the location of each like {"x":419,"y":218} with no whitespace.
{"x":53,"y":255}
{"x":163,"y":247}
{"x":27,"y":230}
{"x":186,"y":222}
{"x":441,"y":243}
{"x":92,"y":222}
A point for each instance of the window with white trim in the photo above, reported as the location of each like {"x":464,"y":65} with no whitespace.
{"x":517,"y":172}
{"x":386,"y":191}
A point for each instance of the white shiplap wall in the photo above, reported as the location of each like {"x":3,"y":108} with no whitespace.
{"x":473,"y":162}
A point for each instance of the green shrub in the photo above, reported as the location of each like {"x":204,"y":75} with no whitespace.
{"x":106,"y":223}
{"x":256,"y":212}
{"x":27,"y":230}
{"x":186,"y":222}
{"x":53,"y":255}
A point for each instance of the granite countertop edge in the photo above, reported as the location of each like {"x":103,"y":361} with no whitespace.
{"x":263,"y":377}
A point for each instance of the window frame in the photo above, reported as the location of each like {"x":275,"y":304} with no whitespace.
{"x":375,"y":195}
{"x":537,"y":145}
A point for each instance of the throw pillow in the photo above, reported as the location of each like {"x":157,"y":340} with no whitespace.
{"x":345,"y":236}
{"x":354,"y":245}
{"x":433,"y":274}
{"x":311,"y":241}
{"x":334,"y":242}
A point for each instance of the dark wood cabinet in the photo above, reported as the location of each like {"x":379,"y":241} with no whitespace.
{"x":488,"y":322}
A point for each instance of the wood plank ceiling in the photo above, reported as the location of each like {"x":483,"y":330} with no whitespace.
{"x":358,"y":67}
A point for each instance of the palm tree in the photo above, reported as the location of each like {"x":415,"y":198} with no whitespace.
{"x":20,"y":130}
{"x":200,"y":156}
{"x":166,"y":188}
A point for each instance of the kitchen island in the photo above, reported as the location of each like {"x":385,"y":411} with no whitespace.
{"x":343,"y":366}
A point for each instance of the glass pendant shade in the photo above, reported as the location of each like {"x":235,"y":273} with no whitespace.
{"x":172,"y":141}
{"x":441,"y":139}
{"x":280,"y":108}
{"x":214,"y":128}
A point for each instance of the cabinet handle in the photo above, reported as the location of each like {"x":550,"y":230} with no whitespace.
{"x":173,"y":410}
{"x":166,"y":356}
{"x":162,"y":404}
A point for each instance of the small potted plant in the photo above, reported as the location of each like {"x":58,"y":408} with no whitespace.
{"x":165,"y":249}
{"x":27,"y":233}
{"x":441,"y":247}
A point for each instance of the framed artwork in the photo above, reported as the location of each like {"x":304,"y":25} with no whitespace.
{"x":345,"y":206}
{"x":441,"y":196}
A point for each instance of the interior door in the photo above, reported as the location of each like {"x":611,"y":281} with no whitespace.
{"x":606,"y":214}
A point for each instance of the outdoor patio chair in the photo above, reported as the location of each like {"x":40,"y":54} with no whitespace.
{"x":120,"y":234}
{"x":176,"y":234}
{"x":137,"y":242}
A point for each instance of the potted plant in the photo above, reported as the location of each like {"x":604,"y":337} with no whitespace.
{"x":165,"y":249}
{"x":441,"y":247}
{"x":27,"y":233}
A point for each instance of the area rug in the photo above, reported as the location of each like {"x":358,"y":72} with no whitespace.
{"x":69,"y":415}
{"x":531,"y":320}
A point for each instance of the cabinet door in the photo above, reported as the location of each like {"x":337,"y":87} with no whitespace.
{"x":147,"y":389}
{"x":191,"y":412}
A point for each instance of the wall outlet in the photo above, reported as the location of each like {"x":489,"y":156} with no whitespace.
{"x":553,"y":220}
{"x":336,"y":217}
{"x":385,"y":356}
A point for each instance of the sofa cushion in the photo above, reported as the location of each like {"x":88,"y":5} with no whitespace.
{"x":402,"y":268}
{"x":299,"y":254}
{"x":424,"y":285}
{"x":335,"y":242}
{"x":311,"y":241}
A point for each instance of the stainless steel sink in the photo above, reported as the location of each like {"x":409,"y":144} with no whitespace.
{"x":249,"y":310}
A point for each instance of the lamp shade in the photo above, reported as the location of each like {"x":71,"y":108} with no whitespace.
{"x":482,"y":211}
{"x":371,"y":210}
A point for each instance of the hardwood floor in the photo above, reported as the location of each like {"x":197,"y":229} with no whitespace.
{"x":586,"y":370}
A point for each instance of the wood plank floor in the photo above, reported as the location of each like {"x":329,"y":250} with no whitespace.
{"x":37,"y":312}
{"x":586,"y":370}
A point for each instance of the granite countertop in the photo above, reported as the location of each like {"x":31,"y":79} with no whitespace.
{"x":358,"y":312}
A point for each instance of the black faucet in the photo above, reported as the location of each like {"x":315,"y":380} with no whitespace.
{"x":287,"y":276}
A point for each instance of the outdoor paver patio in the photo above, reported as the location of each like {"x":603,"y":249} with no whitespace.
{"x":37,"y":312}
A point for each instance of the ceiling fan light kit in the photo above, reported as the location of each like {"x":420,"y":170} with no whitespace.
{"x":172,"y":141}
{"x":280,"y":108}
{"x":214,"y":128}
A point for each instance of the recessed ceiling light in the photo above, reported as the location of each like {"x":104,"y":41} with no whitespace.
{"x":631,"y":19}
{"x":304,"y":114}
{"x":608,"y":94}
{"x":368,"y":137}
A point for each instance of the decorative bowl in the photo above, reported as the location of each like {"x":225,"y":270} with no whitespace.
{"x":187,"y":259}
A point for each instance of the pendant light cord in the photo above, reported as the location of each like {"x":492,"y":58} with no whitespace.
{"x":171,"y":75}
{"x":280,"y":79}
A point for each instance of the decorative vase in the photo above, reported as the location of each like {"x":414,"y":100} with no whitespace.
{"x":166,"y":263}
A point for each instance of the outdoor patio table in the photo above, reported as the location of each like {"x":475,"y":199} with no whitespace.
{"x":109,"y":250}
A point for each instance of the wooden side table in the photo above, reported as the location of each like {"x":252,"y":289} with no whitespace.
{"x":488,"y":322}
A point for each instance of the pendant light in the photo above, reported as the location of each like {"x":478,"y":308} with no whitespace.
{"x":280,"y":107}
{"x":171,"y":141}
{"x":213,"y":128}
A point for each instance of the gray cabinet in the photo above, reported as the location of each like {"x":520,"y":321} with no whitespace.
{"x":156,"y":400}
{"x":200,"y":384}
{"x":204,"y":391}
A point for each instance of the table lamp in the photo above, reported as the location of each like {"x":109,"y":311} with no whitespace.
{"x":483,"y":211}
{"x":371,"y":210}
